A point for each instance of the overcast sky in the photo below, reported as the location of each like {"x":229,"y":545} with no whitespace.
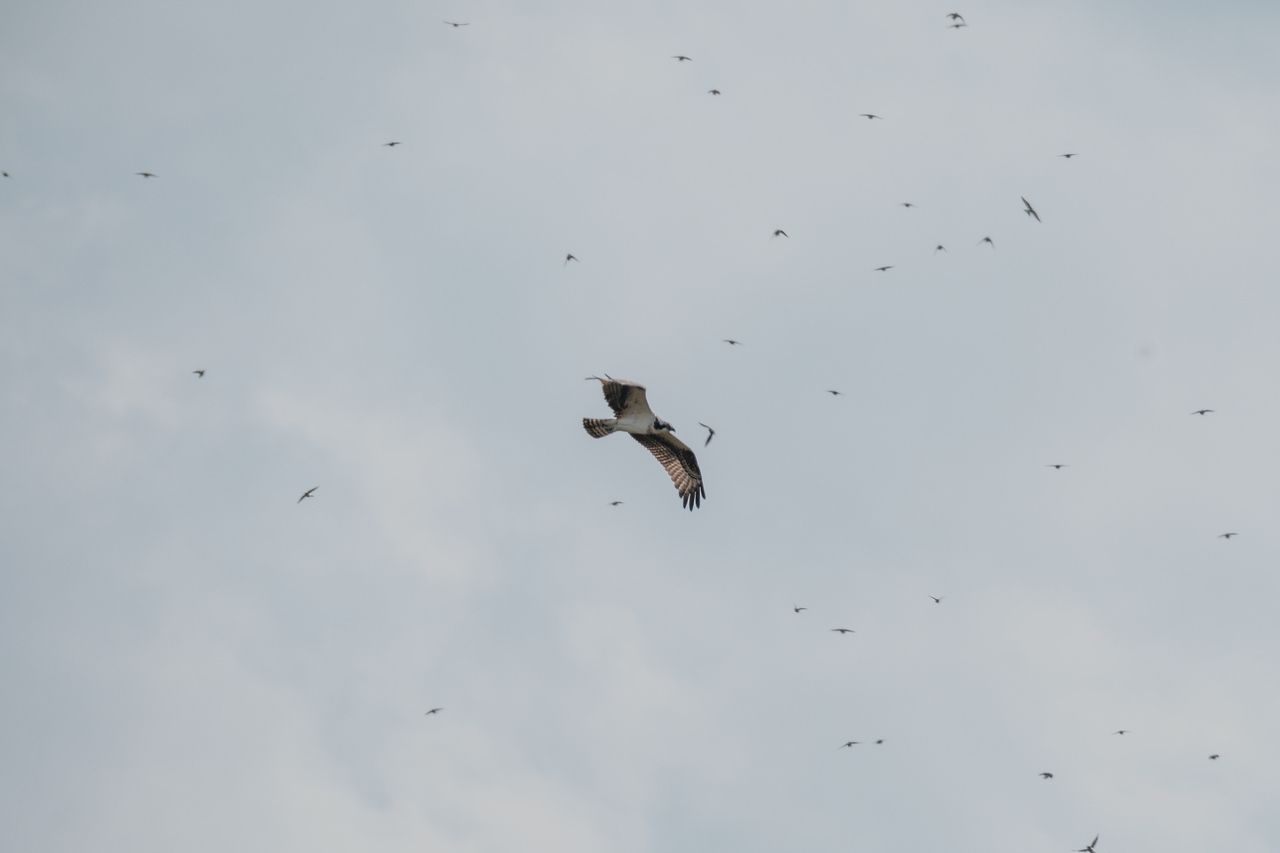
{"x":191,"y":660}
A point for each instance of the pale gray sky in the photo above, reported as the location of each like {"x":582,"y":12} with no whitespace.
{"x":193,"y":661}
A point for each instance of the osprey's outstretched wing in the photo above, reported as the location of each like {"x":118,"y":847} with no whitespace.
{"x":680,"y":463}
{"x":623,"y":396}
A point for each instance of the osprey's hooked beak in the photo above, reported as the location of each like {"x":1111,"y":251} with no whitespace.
{"x":661,"y":424}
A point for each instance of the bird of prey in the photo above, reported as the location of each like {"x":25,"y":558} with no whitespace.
{"x":955,"y":16}
{"x":1214,"y":757}
{"x":844,"y":630}
{"x":849,"y":743}
{"x":682,"y":58}
{"x":1046,"y":775}
{"x":796,"y":608}
{"x":146,"y":174}
{"x":1120,"y":732}
{"x":456,"y":24}
{"x":633,"y":415}
{"x":833,"y":392}
{"x":1057,"y":466}
{"x":713,"y":91}
{"x":392,"y":144}
{"x":1028,"y":209}
{"x":433,"y":711}
{"x":1227,"y":535}
{"x":570,"y":257}
{"x":731,"y":342}
{"x":884,"y":269}
{"x":778,"y":232}
{"x":1088,"y":848}
{"x":199,"y":373}
{"x":308,"y":493}
{"x":711,"y":433}
{"x":988,"y":241}
{"x":937,"y":599}
{"x":1203,"y":412}
{"x":870,"y":116}
{"x":939,"y":248}
{"x":1068,"y":156}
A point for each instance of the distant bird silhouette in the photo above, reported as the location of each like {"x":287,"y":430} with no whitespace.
{"x":713,"y":91}
{"x":988,"y":241}
{"x":1057,"y":465}
{"x":778,"y":232}
{"x":308,"y":493}
{"x":908,"y":204}
{"x":682,"y":58}
{"x":870,"y":116}
{"x":570,"y":257}
{"x":879,"y":741}
{"x":456,"y":24}
{"x":1068,"y":156}
{"x":1203,"y":412}
{"x":937,"y":599}
{"x":1088,"y":848}
{"x":833,"y":392}
{"x":1046,"y":775}
{"x":615,"y":503}
{"x":1214,"y":757}
{"x":731,"y":342}
{"x":844,"y":630}
{"x":146,"y":174}
{"x":711,"y":433}
{"x":939,"y":248}
{"x":391,"y":144}
{"x":433,"y":711}
{"x":1227,"y":535}
{"x":959,"y":25}
{"x":199,"y":373}
{"x":5,"y":174}
{"x":955,"y":16}
{"x":1028,"y":209}
{"x":797,"y":608}
{"x":884,"y":269}
{"x":1120,"y":732}
{"x":849,"y":743}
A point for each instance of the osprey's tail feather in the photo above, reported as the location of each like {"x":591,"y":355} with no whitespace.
{"x":599,"y":427}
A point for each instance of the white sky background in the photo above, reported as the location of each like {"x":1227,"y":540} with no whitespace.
{"x":193,"y":661}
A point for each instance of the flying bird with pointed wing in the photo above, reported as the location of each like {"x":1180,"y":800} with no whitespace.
{"x":199,"y":373}
{"x":778,"y":232}
{"x":571,"y":257}
{"x":1028,"y":209}
{"x":433,"y":711}
{"x":711,"y":433}
{"x":633,"y":415}
{"x":309,"y":493}
{"x":456,"y":24}
{"x":844,"y":631}
{"x":1088,"y":848}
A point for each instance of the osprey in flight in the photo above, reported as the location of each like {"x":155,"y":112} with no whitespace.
{"x":633,"y":415}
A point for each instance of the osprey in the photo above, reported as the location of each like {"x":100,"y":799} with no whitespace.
{"x":633,"y":415}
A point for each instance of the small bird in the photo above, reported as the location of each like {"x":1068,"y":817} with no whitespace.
{"x":988,"y":241}
{"x":1057,"y":466}
{"x":1088,"y":848}
{"x":1227,"y":535}
{"x":1121,"y":732}
{"x":778,"y":232}
{"x":1068,"y":156}
{"x":433,"y":711}
{"x":1214,"y":757}
{"x":711,"y":433}
{"x":5,"y":174}
{"x":199,"y":373}
{"x":308,"y":493}
{"x":456,"y":24}
{"x":849,"y":743}
{"x":871,"y":116}
{"x":884,"y":269}
{"x":391,"y":144}
{"x":939,"y":248}
{"x":908,"y":204}
{"x":1046,"y":775}
{"x":879,"y":741}
{"x":844,"y":630}
{"x":682,"y":58}
{"x":146,"y":174}
{"x":1203,"y":412}
{"x":833,"y":392}
{"x":955,"y":16}
{"x":713,"y":91}
{"x":1028,"y":209}
{"x":615,"y":503}
{"x":731,"y":342}
{"x":797,"y":609}
{"x":959,"y":25}
{"x":570,"y":257}
{"x":937,"y":599}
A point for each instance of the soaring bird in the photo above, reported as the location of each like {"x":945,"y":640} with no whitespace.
{"x":1227,"y":535}
{"x":571,"y":257}
{"x":958,"y":26}
{"x":682,"y":58}
{"x":392,"y":144}
{"x":833,"y":392}
{"x":939,"y":248}
{"x":884,"y":269}
{"x":955,"y":16}
{"x":908,"y":204}
{"x":1046,"y":775}
{"x":308,"y":493}
{"x":844,"y":630}
{"x":1088,"y":848}
{"x":731,"y":342}
{"x":778,"y":232}
{"x":146,"y":174}
{"x":1057,"y":466}
{"x":1214,"y":757}
{"x":937,"y":599}
{"x":615,"y":503}
{"x":870,"y":116}
{"x":1120,"y":732}
{"x":1203,"y":412}
{"x":456,"y":24}
{"x":879,"y":741}
{"x":797,"y":608}
{"x":199,"y":373}
{"x":988,"y":241}
{"x":849,"y":743}
{"x":633,"y":415}
{"x":433,"y":711}
{"x":713,"y":91}
{"x":1068,"y":156}
{"x":1028,"y":209}
{"x":711,"y":433}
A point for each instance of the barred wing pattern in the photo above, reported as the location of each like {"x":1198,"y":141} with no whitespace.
{"x":681,"y":466}
{"x":622,"y":396}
